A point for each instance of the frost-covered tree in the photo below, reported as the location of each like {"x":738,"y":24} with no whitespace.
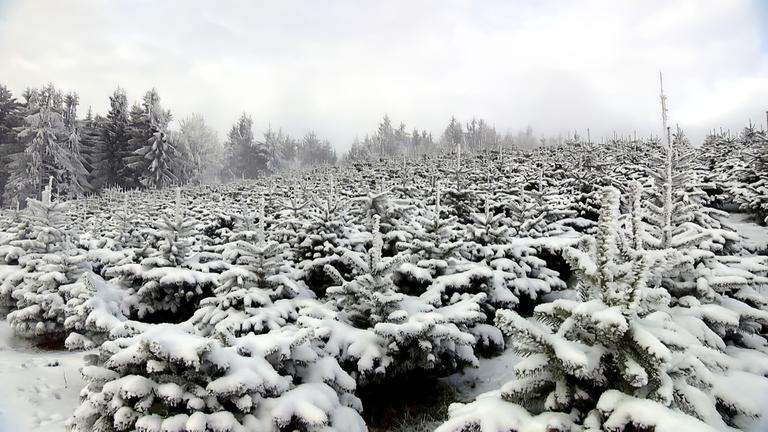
{"x":487,"y":228}
{"x":245,"y":158}
{"x":40,"y":302}
{"x":434,"y":242}
{"x":703,"y":275}
{"x":147,"y":128}
{"x":749,"y":187}
{"x":48,"y":150}
{"x":73,"y":178}
{"x":603,"y":363}
{"x":291,"y":219}
{"x":168,"y":379}
{"x":11,"y":117}
{"x":93,"y":308}
{"x":453,"y":136}
{"x":111,"y":166}
{"x":393,"y":214}
{"x":326,"y":239}
{"x":158,"y":157}
{"x":538,"y":212}
{"x":153,"y":155}
{"x":378,"y":332}
{"x":93,"y":148}
{"x":372,"y":296}
{"x":165,"y":286}
{"x":254,"y":293}
{"x":205,"y":151}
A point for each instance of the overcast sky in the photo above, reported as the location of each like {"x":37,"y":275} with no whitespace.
{"x":338,"y":66}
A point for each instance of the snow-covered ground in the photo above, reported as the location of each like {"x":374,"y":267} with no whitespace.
{"x":40,"y":388}
{"x":490,"y":375}
{"x":755,"y":236}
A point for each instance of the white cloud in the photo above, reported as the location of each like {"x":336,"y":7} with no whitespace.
{"x":338,"y":66}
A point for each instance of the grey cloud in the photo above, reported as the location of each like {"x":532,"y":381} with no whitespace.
{"x":337,"y":67}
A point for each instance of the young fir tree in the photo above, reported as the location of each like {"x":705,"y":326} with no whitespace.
{"x":393,"y":213}
{"x":703,"y":276}
{"x":720,"y":163}
{"x":291,"y":220}
{"x":677,"y":216}
{"x":487,"y":228}
{"x":167,"y":379}
{"x":458,"y":196}
{"x":254,"y":294}
{"x":750,"y":188}
{"x":325,"y":227}
{"x":40,"y":302}
{"x":19,"y":239}
{"x":93,"y":308}
{"x":165,"y":288}
{"x":379,"y":332}
{"x":371,"y":297}
{"x":327,"y":237}
{"x":434,"y":242}
{"x":517,"y":272}
{"x":618,"y":360}
{"x":538,"y":211}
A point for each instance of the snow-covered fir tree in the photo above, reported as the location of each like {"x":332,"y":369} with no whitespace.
{"x":165,"y":287}
{"x":617,"y":360}
{"x":93,"y":308}
{"x":254,"y":294}
{"x":39,"y":311}
{"x":378,"y":332}
{"x":165,"y":378}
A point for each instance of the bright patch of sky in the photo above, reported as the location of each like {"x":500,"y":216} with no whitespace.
{"x":336,"y":67}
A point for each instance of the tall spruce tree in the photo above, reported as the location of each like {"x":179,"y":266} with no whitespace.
{"x":110,"y":168}
{"x":51,"y":149}
{"x":10,"y":119}
{"x":246,"y":158}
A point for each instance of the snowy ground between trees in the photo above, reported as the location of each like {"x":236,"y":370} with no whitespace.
{"x":755,"y":237}
{"x":41,"y":387}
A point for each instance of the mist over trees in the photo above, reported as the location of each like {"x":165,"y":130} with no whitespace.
{"x":474,"y":135}
{"x":45,"y":138}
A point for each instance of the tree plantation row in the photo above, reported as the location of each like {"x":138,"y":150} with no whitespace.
{"x":271,"y":303}
{"x":135,"y":146}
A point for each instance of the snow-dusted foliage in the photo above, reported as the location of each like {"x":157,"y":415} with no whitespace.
{"x":39,"y":311}
{"x":611,"y":268}
{"x":94,"y":307}
{"x":605,"y":361}
{"x":379,"y":331}
{"x":254,"y":294}
{"x":165,"y":282}
{"x":676,"y":215}
{"x":166,"y":379}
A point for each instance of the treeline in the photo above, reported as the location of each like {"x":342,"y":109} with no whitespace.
{"x":42,"y":137}
{"x":42,"y":140}
{"x":475,"y":135}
